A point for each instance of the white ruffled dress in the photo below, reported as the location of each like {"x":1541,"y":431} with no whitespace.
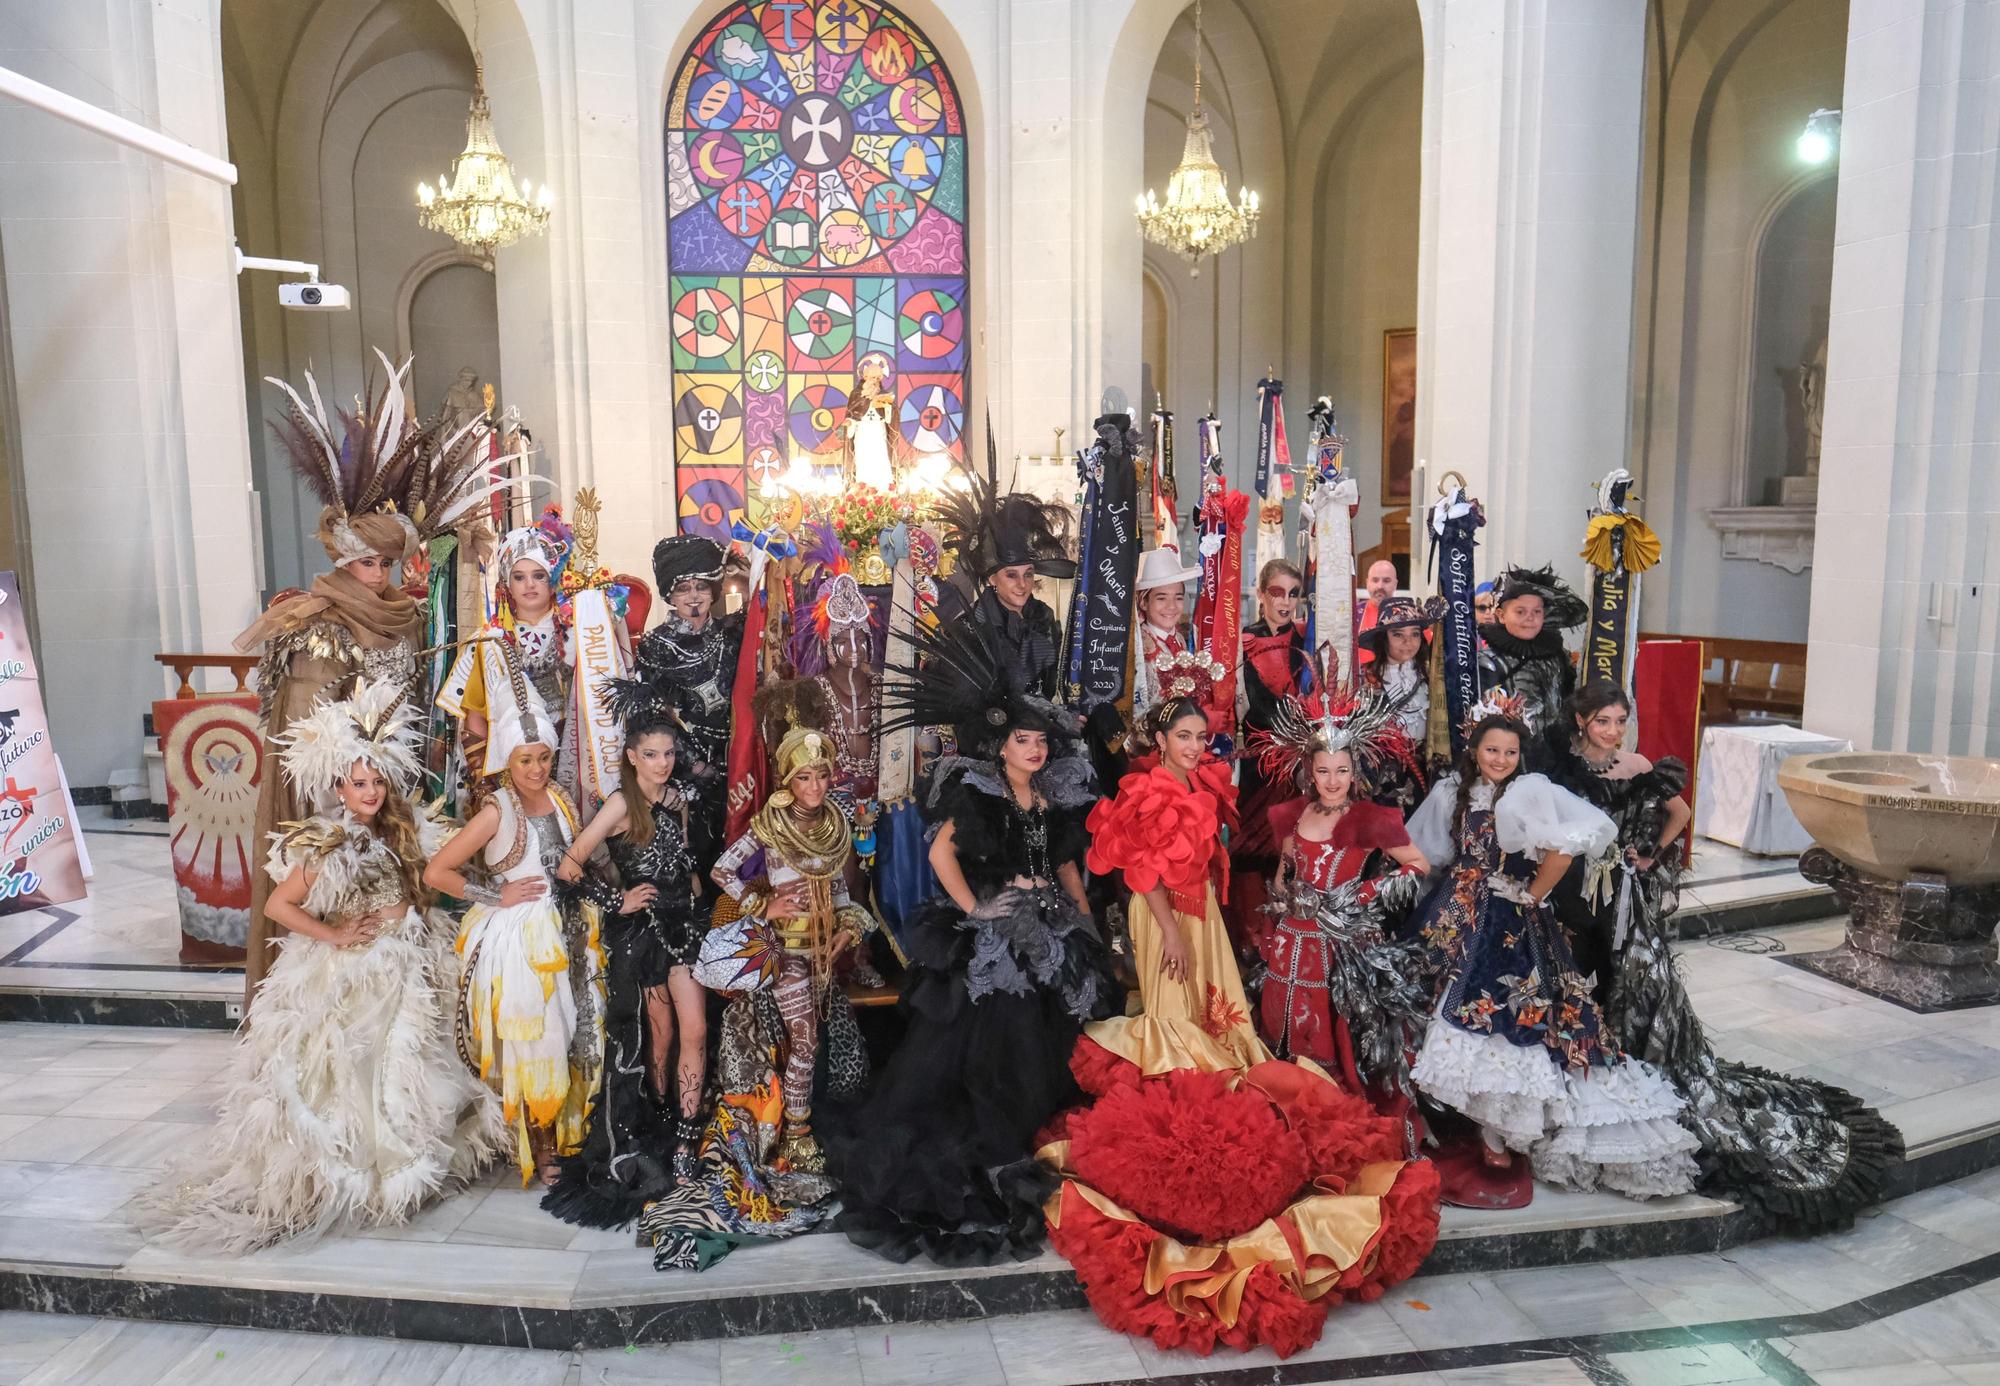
{"x":1515,"y":1042}
{"x":346,"y":1101}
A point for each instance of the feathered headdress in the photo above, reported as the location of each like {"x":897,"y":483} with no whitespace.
{"x":1364,"y":725}
{"x":959,"y":681}
{"x":990,"y":532}
{"x":547,"y":542}
{"x":375,"y":724}
{"x":1495,"y":702}
{"x":1560,"y":603}
{"x":388,"y":482}
{"x":836,"y":603}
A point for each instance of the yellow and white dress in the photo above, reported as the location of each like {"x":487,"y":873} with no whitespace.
{"x":532,"y":1005}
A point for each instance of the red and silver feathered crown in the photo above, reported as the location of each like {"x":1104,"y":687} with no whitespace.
{"x":1363,"y":725}
{"x":1189,"y":674}
{"x":1495,"y":702}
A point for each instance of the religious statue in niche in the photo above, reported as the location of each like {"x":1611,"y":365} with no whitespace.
{"x":868,"y":410}
{"x":1802,"y":488}
{"x":467,"y":400}
{"x":1812,"y":403}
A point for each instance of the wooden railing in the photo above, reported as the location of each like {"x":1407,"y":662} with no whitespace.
{"x":184,"y":666}
{"x":1761,"y":677}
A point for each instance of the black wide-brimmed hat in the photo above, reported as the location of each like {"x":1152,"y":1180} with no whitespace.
{"x":1400,"y":613}
{"x":989,"y":532}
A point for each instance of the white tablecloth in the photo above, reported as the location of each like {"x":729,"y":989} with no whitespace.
{"x":1737,"y":799}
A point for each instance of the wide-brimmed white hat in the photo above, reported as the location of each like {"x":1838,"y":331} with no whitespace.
{"x":1162,"y":568}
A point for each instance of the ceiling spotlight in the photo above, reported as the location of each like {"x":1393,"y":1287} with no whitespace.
{"x":1821,"y":137}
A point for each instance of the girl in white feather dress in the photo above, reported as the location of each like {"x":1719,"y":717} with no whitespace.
{"x":346,"y":1102}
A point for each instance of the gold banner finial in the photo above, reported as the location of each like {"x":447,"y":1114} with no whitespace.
{"x":583,"y":525}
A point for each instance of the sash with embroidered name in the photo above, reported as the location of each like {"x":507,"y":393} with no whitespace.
{"x":1100,"y":656}
{"x":1218,"y":604}
{"x":1454,"y":521}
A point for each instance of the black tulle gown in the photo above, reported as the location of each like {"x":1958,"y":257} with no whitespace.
{"x":1802,"y":1154}
{"x":939,"y":1158}
{"x":626,"y":1159}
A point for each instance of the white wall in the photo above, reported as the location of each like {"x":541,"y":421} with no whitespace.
{"x":127,"y":361}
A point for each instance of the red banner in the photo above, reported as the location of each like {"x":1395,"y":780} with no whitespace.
{"x":1666,"y":697}
{"x":1218,"y":610}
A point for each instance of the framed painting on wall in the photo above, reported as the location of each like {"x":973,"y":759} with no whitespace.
{"x":1399,"y":413}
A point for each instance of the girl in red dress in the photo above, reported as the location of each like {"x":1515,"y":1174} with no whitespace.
{"x":1213,"y":1194}
{"x":1338,"y":992}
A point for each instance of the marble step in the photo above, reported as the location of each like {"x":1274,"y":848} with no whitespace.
{"x":489,"y":1267}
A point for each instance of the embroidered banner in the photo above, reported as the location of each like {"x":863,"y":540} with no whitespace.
{"x":1101,"y":610}
{"x":1218,"y":623}
{"x":1166,"y":498}
{"x":1454,"y":522}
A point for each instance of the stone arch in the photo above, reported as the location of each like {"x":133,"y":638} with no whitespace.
{"x":1781,"y":205}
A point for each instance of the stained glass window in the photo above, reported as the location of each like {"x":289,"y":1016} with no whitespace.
{"x":816,"y":196}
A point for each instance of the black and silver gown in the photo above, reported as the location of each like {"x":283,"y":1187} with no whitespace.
{"x":1802,"y":1154}
{"x":693,"y":672}
{"x":939,"y":1158}
{"x":626,"y":1157}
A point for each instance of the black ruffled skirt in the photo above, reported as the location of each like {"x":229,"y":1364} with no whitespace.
{"x":939,"y":1158}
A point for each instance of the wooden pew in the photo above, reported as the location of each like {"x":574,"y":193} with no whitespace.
{"x":1761,"y":678}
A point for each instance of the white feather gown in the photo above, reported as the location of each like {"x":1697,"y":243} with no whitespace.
{"x":346,"y":1102}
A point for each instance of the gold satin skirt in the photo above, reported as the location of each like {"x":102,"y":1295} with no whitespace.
{"x":1201,"y":1021}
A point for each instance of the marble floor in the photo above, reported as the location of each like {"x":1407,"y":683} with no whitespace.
{"x":124,"y":940}
{"x":1909,"y":1297}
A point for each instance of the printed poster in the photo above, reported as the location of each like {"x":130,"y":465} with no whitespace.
{"x":39,"y":862}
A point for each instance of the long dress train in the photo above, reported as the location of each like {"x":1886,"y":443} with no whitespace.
{"x":1213,"y":1193}
{"x":1804,"y":1154}
{"x":939,"y":1159}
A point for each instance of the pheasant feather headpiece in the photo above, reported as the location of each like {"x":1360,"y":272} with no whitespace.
{"x":388,"y":482}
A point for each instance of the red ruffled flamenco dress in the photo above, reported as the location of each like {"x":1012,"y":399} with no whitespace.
{"x":1211,"y":1192}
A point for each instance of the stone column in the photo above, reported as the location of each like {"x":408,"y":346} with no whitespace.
{"x":1527,"y":230}
{"x":1901,"y":641}
{"x":129,"y":363}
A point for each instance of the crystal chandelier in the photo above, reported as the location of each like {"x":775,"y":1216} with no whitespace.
{"x":1198,"y":218}
{"x":479,"y":205}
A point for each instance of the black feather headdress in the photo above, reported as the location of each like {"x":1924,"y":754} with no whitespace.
{"x":1563,"y":608}
{"x":958,"y":681}
{"x":989,"y":532}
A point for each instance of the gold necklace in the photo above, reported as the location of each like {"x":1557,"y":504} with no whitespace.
{"x":815,"y":847}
